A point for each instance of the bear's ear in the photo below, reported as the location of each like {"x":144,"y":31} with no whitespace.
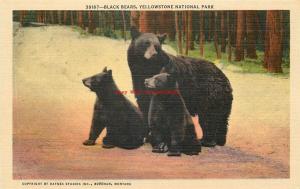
{"x":162,"y":37}
{"x":134,"y":32}
{"x":109,"y":72}
{"x":105,"y":69}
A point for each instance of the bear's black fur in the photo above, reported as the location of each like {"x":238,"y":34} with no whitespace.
{"x":170,"y":123}
{"x":205,"y":89}
{"x":123,"y":121}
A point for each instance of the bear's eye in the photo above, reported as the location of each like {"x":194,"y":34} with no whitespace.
{"x":157,"y":48}
{"x":147,"y":43}
{"x":97,"y":79}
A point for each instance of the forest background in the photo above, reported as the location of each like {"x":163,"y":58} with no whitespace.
{"x":255,"y":41}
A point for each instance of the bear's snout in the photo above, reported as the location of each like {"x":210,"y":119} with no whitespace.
{"x":150,"y":52}
{"x":149,"y":83}
{"x":87,"y":82}
{"x":146,"y":82}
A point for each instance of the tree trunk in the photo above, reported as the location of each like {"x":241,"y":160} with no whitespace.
{"x":201,"y":34}
{"x":134,"y":18}
{"x":71,"y":18}
{"x":273,"y":42}
{"x":144,"y":21}
{"x":124,"y":25}
{"x":42,"y":16}
{"x":52,"y":17}
{"x":216,"y":36}
{"x":166,"y":24}
{"x":260,"y":34}
{"x":38,"y":17}
{"x":171,"y":29}
{"x":43,"y":20}
{"x":112,"y":22}
{"x":190,"y":30}
{"x":80,"y":19}
{"x":22,"y":16}
{"x":233,"y":24}
{"x":186,"y":27}
{"x":240,"y":34}
{"x":106,"y":21}
{"x":229,"y":36}
{"x":45,"y":17}
{"x":147,"y":21}
{"x":100,"y":21}
{"x":210,"y":25}
{"x":91,"y":22}
{"x":178,"y":31}
{"x":223,"y":32}
{"x":267,"y":44}
{"x":65,"y":17}
{"x":251,"y":29}
{"x":183,"y":20}
{"x":85,"y":19}
{"x":59,"y":17}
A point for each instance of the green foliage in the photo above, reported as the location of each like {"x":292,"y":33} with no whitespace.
{"x":246,"y":66}
{"x":110,"y":33}
{"x":116,"y":34}
{"x":81,"y":31}
{"x":99,"y":32}
{"x":30,"y":16}
{"x":120,"y":35}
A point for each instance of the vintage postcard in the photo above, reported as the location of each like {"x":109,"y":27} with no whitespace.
{"x":183,"y":94}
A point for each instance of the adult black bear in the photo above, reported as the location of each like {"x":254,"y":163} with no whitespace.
{"x":123,"y":121}
{"x":170,"y":123}
{"x":205,"y":89}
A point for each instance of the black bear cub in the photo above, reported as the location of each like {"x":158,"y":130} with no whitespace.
{"x":171,"y":125}
{"x":123,"y":121}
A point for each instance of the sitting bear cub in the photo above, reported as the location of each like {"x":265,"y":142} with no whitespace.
{"x":123,"y":121}
{"x":171,"y":125}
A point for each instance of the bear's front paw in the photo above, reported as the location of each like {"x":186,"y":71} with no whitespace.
{"x":174,"y":150}
{"x":208,"y":143}
{"x":107,"y":146}
{"x":191,"y":153}
{"x":108,"y":142}
{"x":89,"y":142}
{"x":192,"y":148}
{"x":174,"y":153}
{"x":160,"y":148}
{"x":221,"y":141}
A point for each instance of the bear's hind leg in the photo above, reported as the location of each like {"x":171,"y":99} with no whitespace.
{"x":108,"y":141}
{"x":208,"y":122}
{"x":221,"y":135}
{"x":176,"y":138}
{"x":112,"y":137}
{"x":144,"y":106}
{"x":222,"y":130}
{"x":223,"y":124}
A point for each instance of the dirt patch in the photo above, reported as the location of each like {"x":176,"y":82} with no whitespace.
{"x":52,"y":114}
